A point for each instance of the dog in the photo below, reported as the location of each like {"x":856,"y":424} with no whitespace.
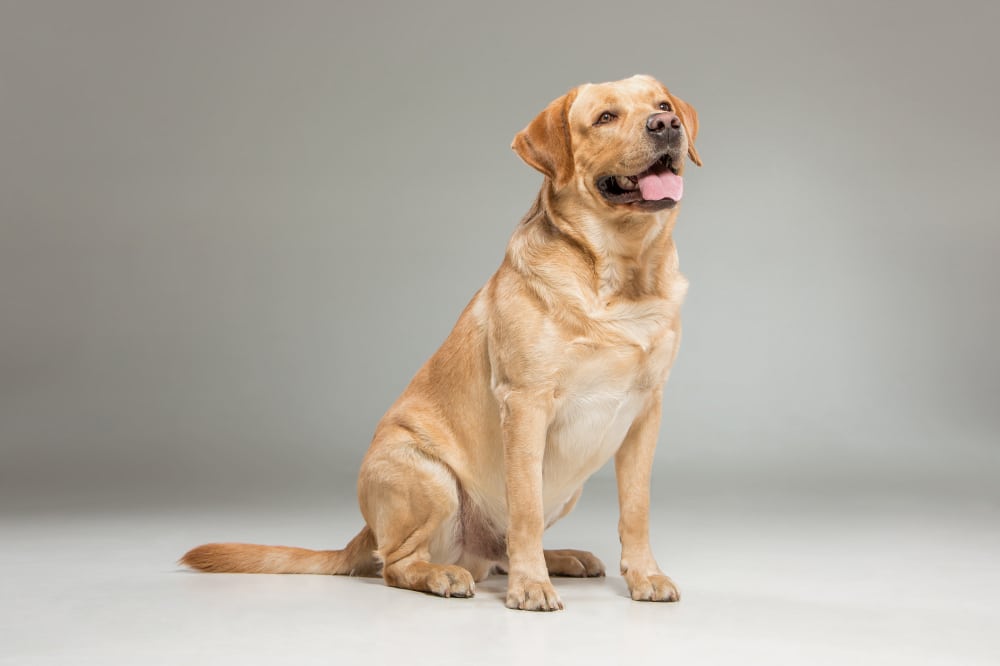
{"x":557,"y":364}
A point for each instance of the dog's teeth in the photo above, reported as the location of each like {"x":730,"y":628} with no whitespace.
{"x":625,"y":182}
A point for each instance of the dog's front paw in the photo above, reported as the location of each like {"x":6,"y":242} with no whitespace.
{"x":451,"y":581}
{"x":654,"y":587}
{"x":535,"y":595}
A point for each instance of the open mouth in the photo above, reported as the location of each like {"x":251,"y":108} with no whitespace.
{"x":657,"y":188}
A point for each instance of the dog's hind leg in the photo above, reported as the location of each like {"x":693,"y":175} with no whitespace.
{"x":410,"y":500}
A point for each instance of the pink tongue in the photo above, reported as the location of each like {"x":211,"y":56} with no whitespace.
{"x":666,"y":185}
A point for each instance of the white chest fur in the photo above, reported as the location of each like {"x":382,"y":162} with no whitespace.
{"x":588,"y":429}
{"x":603,"y":392}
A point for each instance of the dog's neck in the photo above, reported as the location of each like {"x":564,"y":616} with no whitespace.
{"x":629,"y":257}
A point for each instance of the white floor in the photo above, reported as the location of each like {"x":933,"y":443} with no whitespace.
{"x":766,"y":580}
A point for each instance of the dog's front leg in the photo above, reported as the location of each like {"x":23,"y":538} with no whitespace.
{"x":524,"y":419}
{"x":633,"y":467}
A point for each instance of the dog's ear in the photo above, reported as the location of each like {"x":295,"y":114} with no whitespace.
{"x":545,"y":143}
{"x":689,"y":118}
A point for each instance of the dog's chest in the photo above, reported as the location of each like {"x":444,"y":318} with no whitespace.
{"x":606,"y":382}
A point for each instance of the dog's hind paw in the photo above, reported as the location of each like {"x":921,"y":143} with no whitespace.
{"x":575,"y":563}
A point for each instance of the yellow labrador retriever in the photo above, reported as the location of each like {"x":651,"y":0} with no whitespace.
{"x":556,"y":365}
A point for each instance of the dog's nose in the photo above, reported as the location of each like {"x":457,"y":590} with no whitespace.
{"x":659,"y":122}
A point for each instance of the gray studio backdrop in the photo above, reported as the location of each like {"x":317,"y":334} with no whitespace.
{"x":230,"y":232}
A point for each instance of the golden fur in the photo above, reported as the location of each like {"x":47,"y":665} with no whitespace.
{"x":556,"y":365}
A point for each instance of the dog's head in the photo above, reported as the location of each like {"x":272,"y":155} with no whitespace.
{"x":619,"y":145}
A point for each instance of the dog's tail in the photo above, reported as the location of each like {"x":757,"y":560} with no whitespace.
{"x":356,"y":559}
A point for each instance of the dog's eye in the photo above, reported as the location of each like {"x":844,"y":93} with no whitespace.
{"x":665,"y":106}
{"x":605,"y":117}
